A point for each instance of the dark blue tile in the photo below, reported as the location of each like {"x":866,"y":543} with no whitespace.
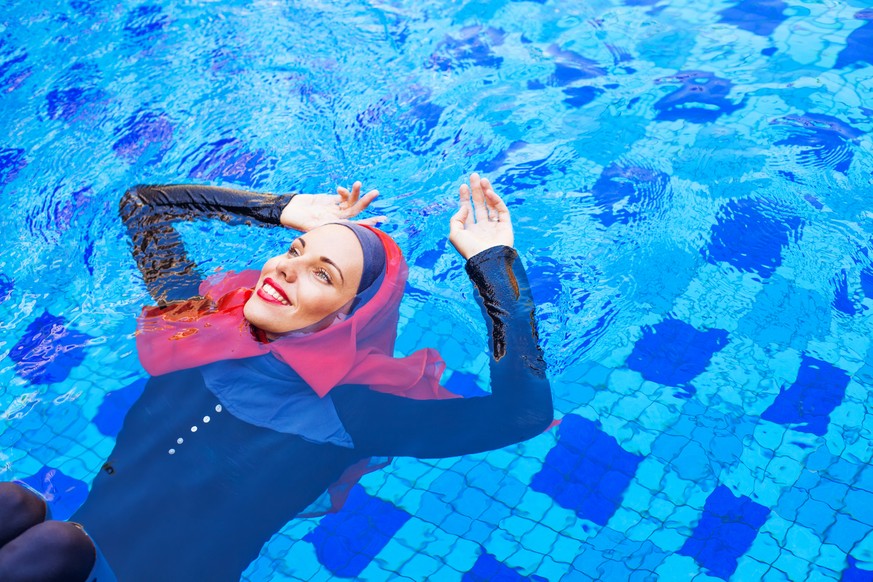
{"x":855,"y":574}
{"x":859,"y":44}
{"x":6,"y":287}
{"x":750,"y":235}
{"x":229,"y":159}
{"x":144,"y":21}
{"x":577,"y":97}
{"x":587,"y":471}
{"x":144,"y":132}
{"x":488,"y":569}
{"x":464,"y":384}
{"x":62,"y":493}
{"x":825,"y":141}
{"x":110,"y":415}
{"x":842,"y":300}
{"x":674,"y":353}
{"x":470,"y":47}
{"x":346,"y":542}
{"x":624,"y":193}
{"x":725,"y":531}
{"x":12,"y":161}
{"x":48,"y":350}
{"x":759,"y":17}
{"x":807,"y":404}
{"x":13,"y":70}
{"x":701,"y":98}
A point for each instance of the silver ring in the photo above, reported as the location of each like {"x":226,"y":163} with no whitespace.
{"x":494,"y":219}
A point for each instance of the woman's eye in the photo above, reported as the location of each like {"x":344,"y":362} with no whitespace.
{"x":292,"y":251}
{"x":323,"y":275}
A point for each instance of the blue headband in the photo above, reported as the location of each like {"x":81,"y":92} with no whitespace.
{"x":374,"y":261}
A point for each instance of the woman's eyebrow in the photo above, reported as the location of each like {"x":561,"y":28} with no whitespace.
{"x":334,"y":265}
{"x":324,"y":259}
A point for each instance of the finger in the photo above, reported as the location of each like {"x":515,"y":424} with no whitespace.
{"x":356,"y":192}
{"x":343,"y":195}
{"x":496,"y":207}
{"x":459,"y":220}
{"x":362,"y":203}
{"x":478,"y":197}
{"x":465,"y":203}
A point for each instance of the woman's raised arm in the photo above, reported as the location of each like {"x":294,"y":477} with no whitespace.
{"x":520,"y":404}
{"x":149,"y":212}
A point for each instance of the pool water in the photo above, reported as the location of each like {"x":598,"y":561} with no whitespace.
{"x":690,"y":186}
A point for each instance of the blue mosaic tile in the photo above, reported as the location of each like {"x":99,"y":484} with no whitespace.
{"x":858,"y":43}
{"x":855,"y":574}
{"x":826,"y":140}
{"x":807,"y":404}
{"x":750,"y":236}
{"x":487,"y":569}
{"x":759,"y":17}
{"x":229,"y":159}
{"x":6,"y":287}
{"x":145,"y":20}
{"x":842,"y":300}
{"x":725,"y":532}
{"x":674,"y":353}
{"x":62,"y":493}
{"x":471,"y":47}
{"x":144,"y":132}
{"x":13,"y":72}
{"x":846,"y":532}
{"x":347,"y":541}
{"x":49,"y":350}
{"x":701,"y":98}
{"x":12,"y":161}
{"x":464,"y":385}
{"x":626,"y":192}
{"x":110,"y":415}
{"x":587,"y":471}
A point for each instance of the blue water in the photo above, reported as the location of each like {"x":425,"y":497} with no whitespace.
{"x":689,"y":183}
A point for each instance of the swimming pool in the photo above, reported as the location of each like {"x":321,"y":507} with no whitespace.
{"x":688,"y":183}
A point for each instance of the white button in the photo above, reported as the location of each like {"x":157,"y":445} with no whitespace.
{"x":218,"y":408}
{"x":193,"y":429}
{"x":172,"y":451}
{"x":206,"y":419}
{"x":180,"y":440}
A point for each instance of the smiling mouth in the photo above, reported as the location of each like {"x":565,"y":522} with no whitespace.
{"x":270,"y":292}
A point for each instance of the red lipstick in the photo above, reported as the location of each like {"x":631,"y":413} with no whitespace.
{"x":269,"y":298}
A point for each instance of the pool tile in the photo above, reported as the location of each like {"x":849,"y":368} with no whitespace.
{"x":48,"y":350}
{"x":62,"y":493}
{"x":488,"y":568}
{"x":674,"y":353}
{"x":806,"y":405}
{"x":347,"y":541}
{"x":725,"y":532}
{"x":586,"y":471}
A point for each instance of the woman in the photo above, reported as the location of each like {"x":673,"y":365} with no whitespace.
{"x":269,"y":387}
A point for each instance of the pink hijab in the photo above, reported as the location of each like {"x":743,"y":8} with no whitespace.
{"x":358,"y":350}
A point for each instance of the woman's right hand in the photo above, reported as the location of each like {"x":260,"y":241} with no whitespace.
{"x":307,"y":211}
{"x":482,"y":223}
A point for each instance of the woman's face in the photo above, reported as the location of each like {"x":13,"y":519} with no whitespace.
{"x":304,"y":288}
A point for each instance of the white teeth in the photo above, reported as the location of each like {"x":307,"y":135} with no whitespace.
{"x":272,"y":292}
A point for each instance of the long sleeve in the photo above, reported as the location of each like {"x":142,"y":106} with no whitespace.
{"x":520,"y":404}
{"x":149,"y":213}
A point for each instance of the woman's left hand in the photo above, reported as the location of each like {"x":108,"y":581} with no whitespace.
{"x":489,"y":227}
{"x":307,"y":211}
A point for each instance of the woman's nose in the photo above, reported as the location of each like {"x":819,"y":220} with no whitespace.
{"x":287,"y":268}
